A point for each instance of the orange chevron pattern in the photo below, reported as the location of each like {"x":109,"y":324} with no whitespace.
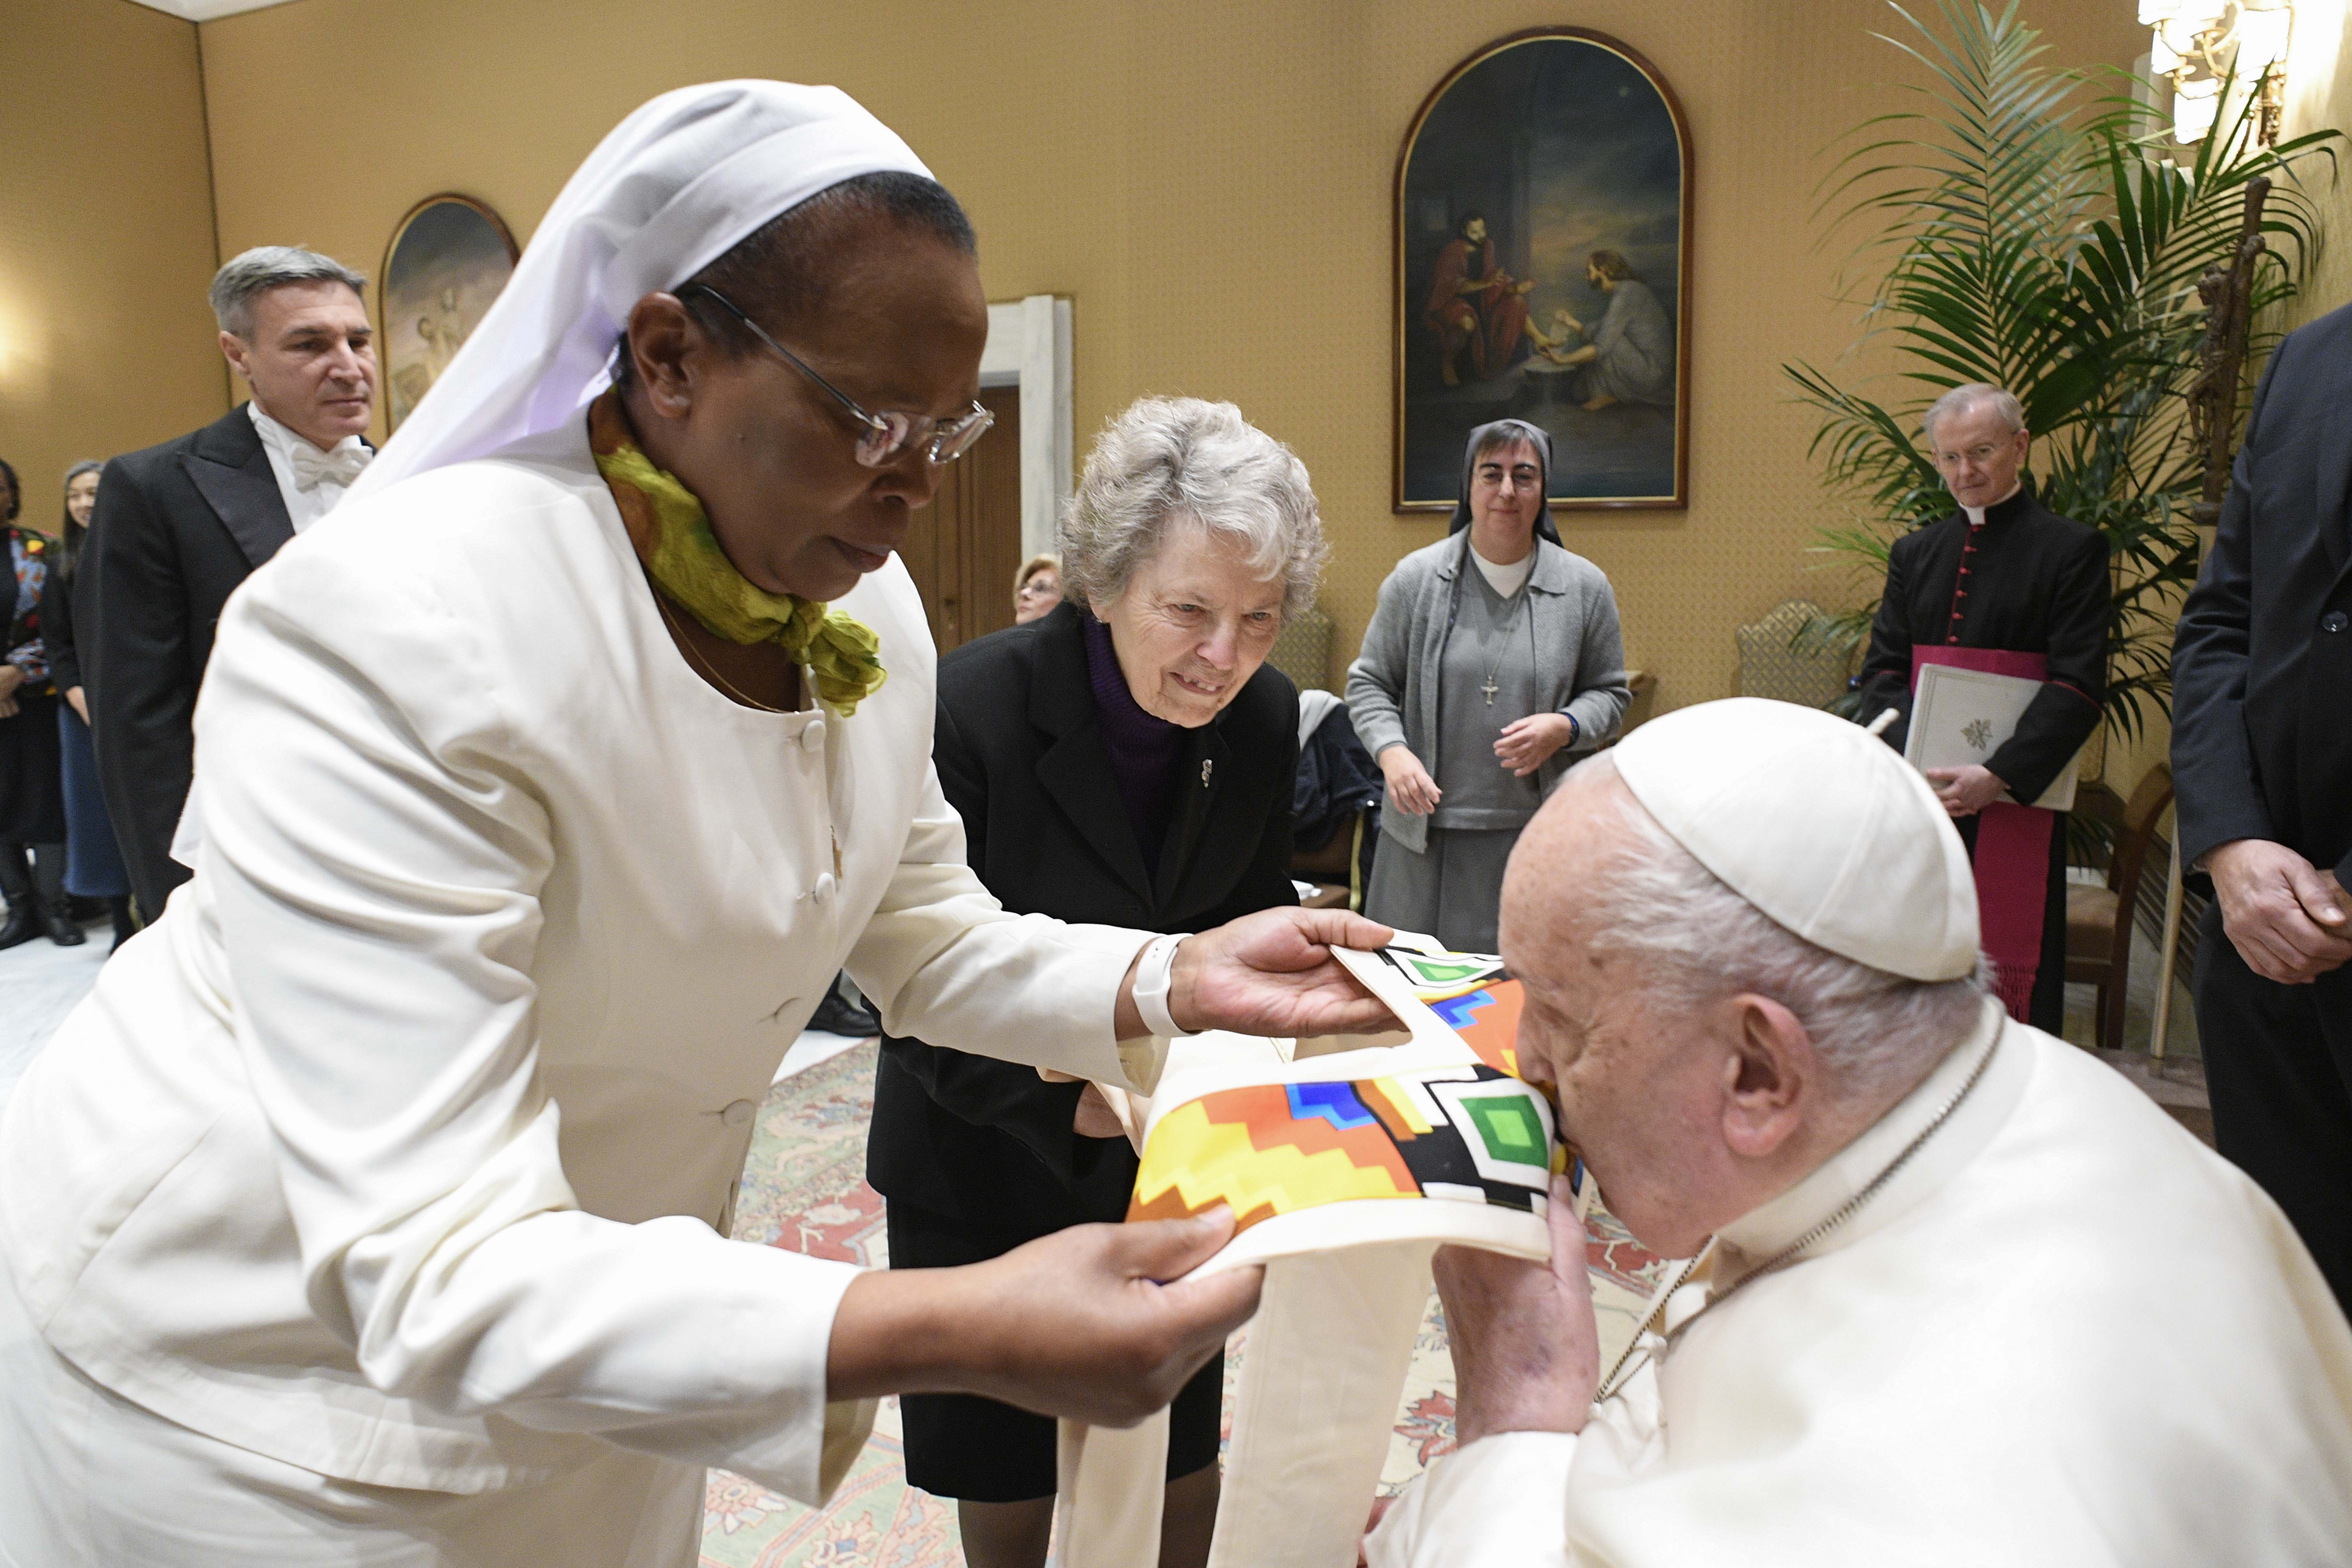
{"x":1245,"y":1148}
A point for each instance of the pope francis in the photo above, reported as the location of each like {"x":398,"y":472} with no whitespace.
{"x":374,"y":1208}
{"x":1960,"y":1293}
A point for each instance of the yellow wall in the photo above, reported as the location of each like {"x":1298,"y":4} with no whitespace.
{"x":2319,"y":93}
{"x":1209,"y":182}
{"x":106,"y":239}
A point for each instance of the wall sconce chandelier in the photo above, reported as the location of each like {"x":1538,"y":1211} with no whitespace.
{"x":2202,"y":46}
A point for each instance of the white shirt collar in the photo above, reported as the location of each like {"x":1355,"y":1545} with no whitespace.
{"x":1506,"y":579}
{"x":1976,"y":513}
{"x":303,"y":507}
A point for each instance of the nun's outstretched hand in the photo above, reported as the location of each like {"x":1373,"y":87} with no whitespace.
{"x":1269,"y":973}
{"x":1075,"y":1325}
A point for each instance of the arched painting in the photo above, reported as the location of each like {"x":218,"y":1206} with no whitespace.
{"x":448,"y":260}
{"x":1543,"y":202}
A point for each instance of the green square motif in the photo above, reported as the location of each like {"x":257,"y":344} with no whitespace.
{"x":1507,"y":1124}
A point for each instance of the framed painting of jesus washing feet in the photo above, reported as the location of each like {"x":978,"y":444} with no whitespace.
{"x":1543,"y":247}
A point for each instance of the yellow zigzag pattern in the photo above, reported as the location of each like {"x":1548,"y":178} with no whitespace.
{"x":1212,"y":1161}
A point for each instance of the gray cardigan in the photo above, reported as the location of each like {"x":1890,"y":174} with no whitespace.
{"x":1579,"y":659}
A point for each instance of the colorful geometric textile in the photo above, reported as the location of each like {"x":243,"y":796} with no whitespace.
{"x":1468,"y":1135}
{"x":1468,"y":993}
{"x":1343,"y":1148}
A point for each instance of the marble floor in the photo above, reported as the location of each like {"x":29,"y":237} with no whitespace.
{"x":40,"y":983}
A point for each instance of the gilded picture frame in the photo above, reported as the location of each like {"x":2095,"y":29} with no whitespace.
{"x":1543,"y":269}
{"x":449,"y":258}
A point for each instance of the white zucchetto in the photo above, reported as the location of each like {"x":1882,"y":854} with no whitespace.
{"x":1816,"y":822}
{"x":669,"y":191}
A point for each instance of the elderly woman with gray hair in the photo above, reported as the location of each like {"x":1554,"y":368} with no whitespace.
{"x":1128,"y":757}
{"x":1493,"y":661}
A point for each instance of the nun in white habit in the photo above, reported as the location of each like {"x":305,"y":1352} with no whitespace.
{"x":1961,"y":1296}
{"x":374,"y":1209}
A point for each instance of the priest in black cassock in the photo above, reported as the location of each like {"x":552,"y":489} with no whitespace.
{"x":2003,"y":584}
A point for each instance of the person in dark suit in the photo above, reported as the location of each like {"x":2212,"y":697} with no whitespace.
{"x":1127,"y":758}
{"x":32,"y":799}
{"x":2262,"y":762}
{"x":179,"y":526}
{"x":2006,"y":585}
{"x":94,"y":868}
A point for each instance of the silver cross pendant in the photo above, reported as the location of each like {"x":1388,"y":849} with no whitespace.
{"x":1490,"y":688}
{"x":1206,"y":763}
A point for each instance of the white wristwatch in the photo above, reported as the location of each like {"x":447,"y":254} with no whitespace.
{"x":1153,"y":973}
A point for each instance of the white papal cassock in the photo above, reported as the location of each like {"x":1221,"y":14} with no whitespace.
{"x":2064,"y":1333}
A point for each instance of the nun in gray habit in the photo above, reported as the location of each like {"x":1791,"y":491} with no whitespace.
{"x":1492,"y":664}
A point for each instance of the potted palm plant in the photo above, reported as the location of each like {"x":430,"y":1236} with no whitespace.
{"x":2026,"y":224}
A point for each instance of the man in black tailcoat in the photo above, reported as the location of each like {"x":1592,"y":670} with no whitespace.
{"x":179,"y":526}
{"x":2262,"y":758}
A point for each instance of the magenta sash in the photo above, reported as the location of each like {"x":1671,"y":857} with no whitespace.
{"x":2013,"y":854}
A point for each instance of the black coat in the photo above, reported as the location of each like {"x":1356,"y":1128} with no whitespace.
{"x":2037,"y":583}
{"x":57,"y":628}
{"x":2262,"y":662}
{"x":1021,"y":759}
{"x":178,"y":528}
{"x":32,"y":790}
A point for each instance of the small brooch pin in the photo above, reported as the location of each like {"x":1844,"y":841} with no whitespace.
{"x":1206,"y":763}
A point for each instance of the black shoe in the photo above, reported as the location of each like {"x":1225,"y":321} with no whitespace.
{"x":23,"y":923}
{"x":837,"y":1016}
{"x":61,"y":928}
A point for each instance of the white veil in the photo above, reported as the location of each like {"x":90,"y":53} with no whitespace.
{"x":671,"y":189}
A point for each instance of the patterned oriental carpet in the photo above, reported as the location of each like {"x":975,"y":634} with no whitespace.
{"x":805,"y":1188}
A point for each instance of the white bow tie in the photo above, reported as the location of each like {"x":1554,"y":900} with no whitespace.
{"x":339,"y":466}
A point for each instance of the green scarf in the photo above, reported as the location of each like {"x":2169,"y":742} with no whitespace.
{"x":839,"y":651}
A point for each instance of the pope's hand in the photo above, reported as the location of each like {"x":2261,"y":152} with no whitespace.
{"x":1526,"y":1352}
{"x":2288,"y":920}
{"x":1074,"y":1324}
{"x":1271,"y":974}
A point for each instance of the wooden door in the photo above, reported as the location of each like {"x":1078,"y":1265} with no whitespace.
{"x":963,"y":549}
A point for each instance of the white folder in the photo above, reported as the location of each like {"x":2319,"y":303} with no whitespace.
{"x":1963,"y":716}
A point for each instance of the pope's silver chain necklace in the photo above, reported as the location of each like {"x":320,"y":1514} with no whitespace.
{"x":1791,"y":1253}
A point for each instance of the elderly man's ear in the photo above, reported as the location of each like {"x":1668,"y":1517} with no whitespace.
{"x":1769,"y":1075}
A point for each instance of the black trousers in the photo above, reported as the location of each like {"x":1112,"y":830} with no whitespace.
{"x":48,"y":875}
{"x":2278,"y":1065}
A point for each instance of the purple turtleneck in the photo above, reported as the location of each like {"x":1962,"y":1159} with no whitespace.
{"x":1142,"y":748}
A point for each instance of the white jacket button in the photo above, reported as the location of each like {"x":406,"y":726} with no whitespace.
{"x":812,"y":737}
{"x":739,"y":1113}
{"x":823,"y":892}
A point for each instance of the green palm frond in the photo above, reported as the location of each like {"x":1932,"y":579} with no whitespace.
{"x":2026,"y":224}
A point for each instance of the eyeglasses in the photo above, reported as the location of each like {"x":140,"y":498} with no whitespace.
{"x":886,"y":434}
